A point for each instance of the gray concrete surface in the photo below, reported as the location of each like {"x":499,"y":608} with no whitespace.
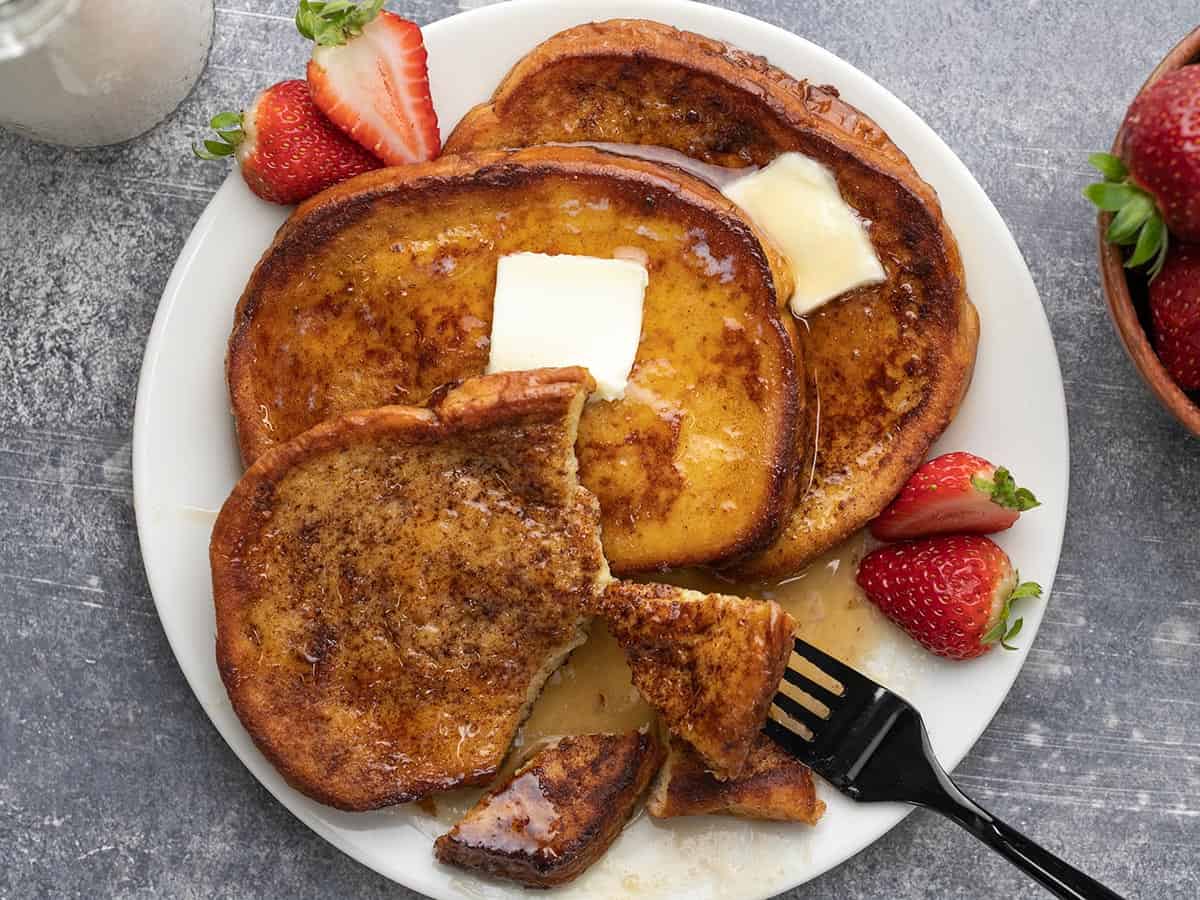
{"x":114,"y":784}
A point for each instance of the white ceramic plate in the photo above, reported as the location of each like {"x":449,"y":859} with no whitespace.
{"x":185,"y":463}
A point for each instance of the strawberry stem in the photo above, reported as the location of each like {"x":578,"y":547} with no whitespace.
{"x":1003,"y":631}
{"x":333,"y":22}
{"x":1003,"y":491}
{"x":1137,"y":221}
{"x":228,"y":126}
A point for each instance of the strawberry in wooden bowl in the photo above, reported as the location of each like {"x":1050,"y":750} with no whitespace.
{"x":1150,"y":231}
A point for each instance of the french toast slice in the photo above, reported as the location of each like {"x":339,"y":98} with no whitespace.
{"x":891,"y":361}
{"x":708,"y":663}
{"x":380,"y":290}
{"x":773,"y":785}
{"x":560,"y":811}
{"x":394,"y":586}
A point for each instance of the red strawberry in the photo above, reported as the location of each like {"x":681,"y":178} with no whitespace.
{"x":1162,"y":148}
{"x":368,"y":75}
{"x":953,"y":494}
{"x":953,"y":595}
{"x":287,"y":150}
{"x":1155,"y":190}
{"x":1175,"y":315}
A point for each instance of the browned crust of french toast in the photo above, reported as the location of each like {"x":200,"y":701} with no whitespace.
{"x":709,"y":663}
{"x":324,"y":216}
{"x":728,"y":107}
{"x":640,"y":38}
{"x":773,"y":785}
{"x":336,"y":702}
{"x":559,"y":812}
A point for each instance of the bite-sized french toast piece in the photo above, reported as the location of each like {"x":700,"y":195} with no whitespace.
{"x":709,"y":663}
{"x":891,"y":360}
{"x":393,"y":587}
{"x":559,"y":812}
{"x":773,"y":785}
{"x":381,"y":289}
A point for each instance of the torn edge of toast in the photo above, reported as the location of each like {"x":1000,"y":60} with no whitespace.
{"x":774,"y":785}
{"x":558,"y":813}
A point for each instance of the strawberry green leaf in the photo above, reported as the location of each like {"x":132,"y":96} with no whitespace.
{"x":995,"y":633}
{"x":334,"y":22}
{"x":1025,"y":589}
{"x":1161,"y":256}
{"x":1108,"y":196}
{"x":1026,"y":500}
{"x":213,"y":150}
{"x":1130,"y":218}
{"x":1002,"y":631}
{"x":219,"y":148}
{"x":226,"y":121}
{"x":1012,"y":633}
{"x":1109,"y":166}
{"x":1149,"y":239}
{"x":1137,"y":223}
{"x":228,"y":126}
{"x":1003,"y":491}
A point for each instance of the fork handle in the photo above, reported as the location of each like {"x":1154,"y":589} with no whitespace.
{"x":1059,"y":877}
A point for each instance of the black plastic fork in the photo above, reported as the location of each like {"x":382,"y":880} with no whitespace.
{"x":872,"y":746}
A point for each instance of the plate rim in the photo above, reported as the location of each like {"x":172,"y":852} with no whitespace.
{"x":653,"y":9}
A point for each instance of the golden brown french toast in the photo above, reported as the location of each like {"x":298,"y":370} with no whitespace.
{"x":773,"y":785}
{"x":394,"y":586}
{"x":709,"y":663}
{"x":558,"y":813}
{"x":891,"y":361}
{"x":380,"y":290}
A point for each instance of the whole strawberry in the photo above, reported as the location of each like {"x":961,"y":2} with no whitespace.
{"x":368,"y":74}
{"x":954,"y":494}
{"x":953,"y":595}
{"x":1175,"y":315}
{"x":286,"y":148}
{"x":1154,"y":190}
{"x":1162,"y":148}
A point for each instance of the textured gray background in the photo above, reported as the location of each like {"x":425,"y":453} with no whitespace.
{"x":112,"y":781}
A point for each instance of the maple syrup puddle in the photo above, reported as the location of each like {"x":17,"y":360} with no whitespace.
{"x":593,"y":691}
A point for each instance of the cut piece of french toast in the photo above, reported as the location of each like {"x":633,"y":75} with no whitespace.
{"x":394,"y":586}
{"x":773,"y":785}
{"x":891,"y":361}
{"x":708,"y":663}
{"x":559,"y":812}
{"x":380,"y":290}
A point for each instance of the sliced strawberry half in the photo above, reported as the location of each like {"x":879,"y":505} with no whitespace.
{"x":368,"y":74}
{"x":958,"y":493}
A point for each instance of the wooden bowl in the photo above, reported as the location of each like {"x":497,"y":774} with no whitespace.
{"x":1126,"y":289}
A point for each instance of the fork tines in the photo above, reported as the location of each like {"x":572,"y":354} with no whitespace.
{"x":793,"y":708}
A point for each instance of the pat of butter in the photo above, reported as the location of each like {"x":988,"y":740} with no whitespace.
{"x":796,"y":201}
{"x":568,"y":311}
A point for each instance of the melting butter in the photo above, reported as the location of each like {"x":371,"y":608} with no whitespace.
{"x":796,"y":201}
{"x":566,"y":310}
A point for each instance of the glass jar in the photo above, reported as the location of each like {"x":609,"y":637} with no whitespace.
{"x":89,"y":72}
